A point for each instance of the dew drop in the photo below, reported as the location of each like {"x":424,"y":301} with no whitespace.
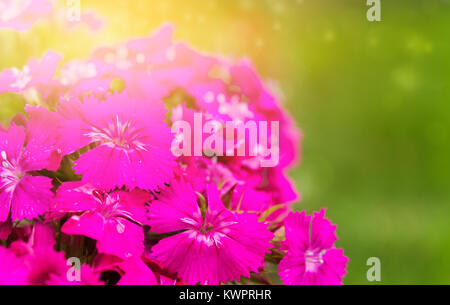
{"x":120,"y":228}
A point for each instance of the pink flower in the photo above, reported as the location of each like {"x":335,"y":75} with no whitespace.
{"x":20,"y":15}
{"x":137,"y":52}
{"x":135,"y":272}
{"x":13,"y":271}
{"x":36,"y":73}
{"x":48,"y":267}
{"x":87,"y":276}
{"x":215,"y":245}
{"x":311,"y":257}
{"x":42,"y":264}
{"x":42,"y":126}
{"x":132,"y":141}
{"x":89,"y":19}
{"x":21,"y":193}
{"x":113,"y":219}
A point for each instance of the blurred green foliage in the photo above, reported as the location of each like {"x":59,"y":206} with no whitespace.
{"x":371,"y":98}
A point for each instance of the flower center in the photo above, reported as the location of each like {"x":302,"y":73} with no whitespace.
{"x":109,"y":206}
{"x":313,"y":260}
{"x":10,"y":174}
{"x":118,"y":134}
{"x":206,"y":227}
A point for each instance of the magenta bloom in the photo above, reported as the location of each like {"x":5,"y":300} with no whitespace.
{"x":113,"y":219}
{"x":311,"y":257}
{"x":35,"y":262}
{"x":20,"y":15}
{"x":87,"y":275}
{"x":22,"y":194}
{"x":215,"y":245}
{"x":133,"y":141}
{"x":13,"y":271}
{"x":36,"y":73}
{"x":135,"y":272}
{"x":48,"y":267}
{"x":90,"y":19}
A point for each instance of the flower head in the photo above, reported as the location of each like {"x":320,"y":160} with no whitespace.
{"x":13,"y":271}
{"x":132,"y":141}
{"x":37,"y":73}
{"x":22,"y":194}
{"x":20,"y":15}
{"x":136,"y":272}
{"x":311,"y":257}
{"x":113,"y":219}
{"x":36,"y":262}
{"x":214,"y":245}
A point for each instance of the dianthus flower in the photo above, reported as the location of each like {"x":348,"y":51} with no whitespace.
{"x":132,"y":141}
{"x":214,"y":245}
{"x":20,"y":15}
{"x":23,"y":194}
{"x":311,"y":258}
{"x":113,"y":219}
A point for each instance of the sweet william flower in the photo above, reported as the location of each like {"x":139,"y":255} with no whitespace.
{"x":20,"y":15}
{"x":87,"y":275}
{"x":88,"y":18}
{"x":37,"y":73}
{"x":135,"y":272}
{"x":113,"y":219}
{"x":264,"y":102}
{"x":132,"y":141}
{"x":40,"y":264}
{"x":311,"y":258}
{"x":215,"y":245}
{"x":23,"y":195}
{"x":13,"y":271}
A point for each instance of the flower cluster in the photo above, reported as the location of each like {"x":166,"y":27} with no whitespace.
{"x":87,"y":171}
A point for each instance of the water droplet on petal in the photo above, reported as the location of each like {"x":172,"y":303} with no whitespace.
{"x":120,"y":228}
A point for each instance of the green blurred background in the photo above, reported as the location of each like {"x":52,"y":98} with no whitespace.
{"x":371,"y":98}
